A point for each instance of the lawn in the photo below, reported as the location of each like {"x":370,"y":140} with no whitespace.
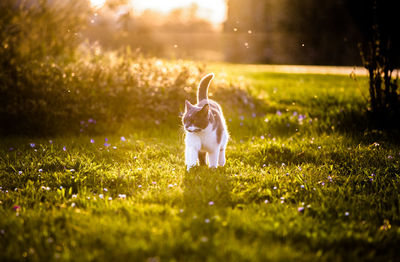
{"x":306,"y":179}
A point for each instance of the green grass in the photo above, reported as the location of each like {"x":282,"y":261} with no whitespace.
{"x":315,"y":187}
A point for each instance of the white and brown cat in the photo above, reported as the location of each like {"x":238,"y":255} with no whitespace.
{"x":205,"y":128}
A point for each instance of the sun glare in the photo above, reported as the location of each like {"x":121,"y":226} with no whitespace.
{"x":211,"y":10}
{"x":97,"y":3}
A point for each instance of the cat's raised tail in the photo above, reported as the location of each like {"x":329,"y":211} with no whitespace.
{"x":202,"y":92}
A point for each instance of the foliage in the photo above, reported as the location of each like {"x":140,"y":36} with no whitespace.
{"x":381,"y":56}
{"x":52,"y":83}
{"x":293,"y":188}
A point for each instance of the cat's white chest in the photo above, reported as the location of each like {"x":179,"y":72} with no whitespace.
{"x":205,"y":140}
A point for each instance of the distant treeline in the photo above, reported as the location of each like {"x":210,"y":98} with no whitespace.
{"x":309,"y":31}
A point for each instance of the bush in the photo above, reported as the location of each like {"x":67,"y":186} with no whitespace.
{"x":53,"y":87}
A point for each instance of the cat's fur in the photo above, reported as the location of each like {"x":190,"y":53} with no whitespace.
{"x":205,"y":128}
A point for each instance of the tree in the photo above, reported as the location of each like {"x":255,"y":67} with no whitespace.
{"x":380,"y":52}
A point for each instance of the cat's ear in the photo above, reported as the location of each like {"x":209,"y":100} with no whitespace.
{"x":205,"y":108}
{"x":188,"y":105}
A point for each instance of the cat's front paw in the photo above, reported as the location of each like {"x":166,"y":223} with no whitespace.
{"x":188,"y":167}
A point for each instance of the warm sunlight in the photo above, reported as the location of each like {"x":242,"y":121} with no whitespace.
{"x":212,"y":10}
{"x":97,"y":3}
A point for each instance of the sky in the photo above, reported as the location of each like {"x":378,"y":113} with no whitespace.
{"x":211,"y":10}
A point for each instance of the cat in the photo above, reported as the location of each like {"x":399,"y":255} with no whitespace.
{"x":206,"y":133}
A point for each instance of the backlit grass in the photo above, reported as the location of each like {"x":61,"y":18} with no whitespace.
{"x":301,"y":183}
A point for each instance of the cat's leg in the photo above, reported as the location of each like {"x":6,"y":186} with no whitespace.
{"x":192,"y":148}
{"x":202,"y":158}
{"x":191,"y":155}
{"x":213,"y":158}
{"x":221,"y":158}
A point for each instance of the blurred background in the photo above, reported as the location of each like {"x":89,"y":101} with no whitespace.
{"x":252,"y":31}
{"x":65,"y":62}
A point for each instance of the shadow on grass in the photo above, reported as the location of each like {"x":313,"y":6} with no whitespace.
{"x":205,"y":187}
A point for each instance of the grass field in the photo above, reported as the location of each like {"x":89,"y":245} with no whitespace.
{"x":306,"y":179}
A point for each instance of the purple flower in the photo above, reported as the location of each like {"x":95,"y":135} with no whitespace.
{"x":92,"y":141}
{"x":123,"y":139}
{"x":64,"y":148}
{"x":90,"y":120}
{"x":301,"y":117}
{"x":300,"y":209}
{"x":279,"y":113}
{"x":106,"y":139}
{"x":210,"y":203}
{"x":16,"y":208}
{"x":32,"y":145}
{"x":50,"y":142}
{"x":11,"y":148}
{"x":107,"y":144}
{"x":390,"y":157}
{"x":82,"y":122}
{"x":294,"y":113}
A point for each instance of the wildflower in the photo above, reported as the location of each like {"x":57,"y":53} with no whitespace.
{"x":123,"y":139}
{"x":275,"y":187}
{"x":107,"y":144}
{"x":300,"y":209}
{"x":346,"y":213}
{"x":181,"y":210}
{"x":90,"y":120}
{"x":106,"y":139}
{"x":105,"y":189}
{"x":16,"y":208}
{"x":92,"y":141}
{"x":11,"y":149}
{"x":139,"y":186}
{"x":210,"y":203}
{"x":19,"y":172}
{"x":279,"y":113}
{"x":50,"y":142}
{"x":302,"y":186}
{"x":122,"y":196}
{"x":154,"y":182}
{"x":390,"y":157}
{"x":40,"y":170}
{"x":64,"y":148}
{"x":262,"y":137}
{"x":170,"y":185}
{"x":74,"y":196}
{"x":110,"y":198}
{"x":72,"y":170}
{"x":73,"y":204}
{"x":32,"y":145}
{"x":101,"y":196}
{"x":266,"y":201}
{"x":266,"y":120}
{"x":114,"y":147}
{"x":207,"y":220}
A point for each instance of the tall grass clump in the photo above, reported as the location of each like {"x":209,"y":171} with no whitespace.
{"x":54,"y":82}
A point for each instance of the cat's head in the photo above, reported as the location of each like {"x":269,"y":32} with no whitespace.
{"x":195,"y":118}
